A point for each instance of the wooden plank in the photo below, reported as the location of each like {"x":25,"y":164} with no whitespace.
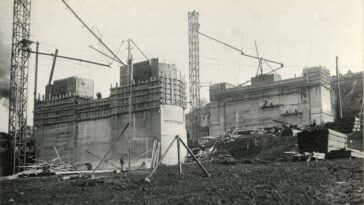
{"x":332,"y":132}
{"x":337,"y":144}
{"x":179,"y":155}
{"x":153,"y":153}
{"x":157,"y":154}
{"x":84,"y":172}
{"x":356,"y":153}
{"x":337,"y":139}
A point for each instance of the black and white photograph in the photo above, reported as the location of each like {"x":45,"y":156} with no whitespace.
{"x":181,"y":102}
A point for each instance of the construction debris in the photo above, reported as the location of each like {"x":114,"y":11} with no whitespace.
{"x":45,"y":168}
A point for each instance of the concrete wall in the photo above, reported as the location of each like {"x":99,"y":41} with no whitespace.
{"x":61,"y":135}
{"x":172,"y":124}
{"x":252,"y":114}
{"x":77,"y":86}
{"x":83,"y":129}
{"x":139,"y":136}
{"x":320,"y":105}
{"x":295,"y":101}
{"x":93,"y":139}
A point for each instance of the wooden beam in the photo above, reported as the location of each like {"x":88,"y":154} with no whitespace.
{"x":194,"y":157}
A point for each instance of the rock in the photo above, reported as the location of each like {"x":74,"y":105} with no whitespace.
{"x":235,"y":175}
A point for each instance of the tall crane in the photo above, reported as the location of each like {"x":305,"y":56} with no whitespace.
{"x":19,"y":81}
{"x":18,"y":98}
{"x":194,"y":67}
{"x":194,"y":73}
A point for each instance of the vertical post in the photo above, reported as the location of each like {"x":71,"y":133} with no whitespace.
{"x":338,"y":87}
{"x":53,"y":65}
{"x":153,"y":154}
{"x":35,"y":84}
{"x":179,"y":155}
{"x":308,"y":99}
{"x":130,"y":110}
{"x":129,"y":164}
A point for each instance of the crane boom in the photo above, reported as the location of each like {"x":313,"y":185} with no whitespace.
{"x":241,"y":52}
{"x":93,"y":33}
{"x":70,"y":58}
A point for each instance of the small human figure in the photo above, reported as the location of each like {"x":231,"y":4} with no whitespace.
{"x":122,"y":163}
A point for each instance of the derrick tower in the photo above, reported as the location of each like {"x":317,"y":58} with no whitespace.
{"x":194,"y":72}
{"x":19,"y":81}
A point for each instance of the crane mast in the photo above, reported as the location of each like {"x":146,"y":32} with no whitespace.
{"x":19,"y":81}
{"x":194,"y":73}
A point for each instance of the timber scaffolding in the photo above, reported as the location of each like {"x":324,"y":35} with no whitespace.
{"x":79,"y":125}
{"x":227,"y":93}
{"x":270,"y":102}
{"x":146,"y":95}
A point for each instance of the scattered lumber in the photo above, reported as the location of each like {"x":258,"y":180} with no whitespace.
{"x":86,"y":172}
{"x":44,"y":168}
{"x":356,"y":153}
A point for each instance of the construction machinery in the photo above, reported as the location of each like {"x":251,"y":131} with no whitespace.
{"x":194,"y":69}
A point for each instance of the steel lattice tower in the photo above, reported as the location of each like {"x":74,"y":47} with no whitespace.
{"x":194,"y":71}
{"x":19,"y":81}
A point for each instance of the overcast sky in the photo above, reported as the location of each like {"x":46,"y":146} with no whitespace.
{"x":297,"y":33}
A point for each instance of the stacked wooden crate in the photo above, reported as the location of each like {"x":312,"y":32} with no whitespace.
{"x":321,"y":140}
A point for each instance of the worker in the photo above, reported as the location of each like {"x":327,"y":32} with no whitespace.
{"x":122,"y":163}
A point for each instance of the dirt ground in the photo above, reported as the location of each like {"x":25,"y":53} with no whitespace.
{"x":324,"y":182}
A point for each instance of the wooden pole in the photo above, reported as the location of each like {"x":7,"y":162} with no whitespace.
{"x":179,"y":155}
{"x":129,"y":164}
{"x":164,"y":154}
{"x":53,"y":65}
{"x":338,"y":87}
{"x":55,"y":149}
{"x":198,"y":162}
{"x":157,"y":154}
{"x":153,"y":154}
{"x":35,"y":84}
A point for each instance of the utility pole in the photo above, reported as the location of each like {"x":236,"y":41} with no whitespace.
{"x":194,"y":73}
{"x":338,"y":87}
{"x":130,"y":83}
{"x":35,"y":84}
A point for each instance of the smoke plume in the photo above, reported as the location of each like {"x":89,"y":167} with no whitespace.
{"x":5,"y":51}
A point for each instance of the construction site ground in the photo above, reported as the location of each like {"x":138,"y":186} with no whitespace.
{"x":337,"y":181}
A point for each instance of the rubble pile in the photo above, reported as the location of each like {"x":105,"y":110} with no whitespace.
{"x":245,"y":147}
